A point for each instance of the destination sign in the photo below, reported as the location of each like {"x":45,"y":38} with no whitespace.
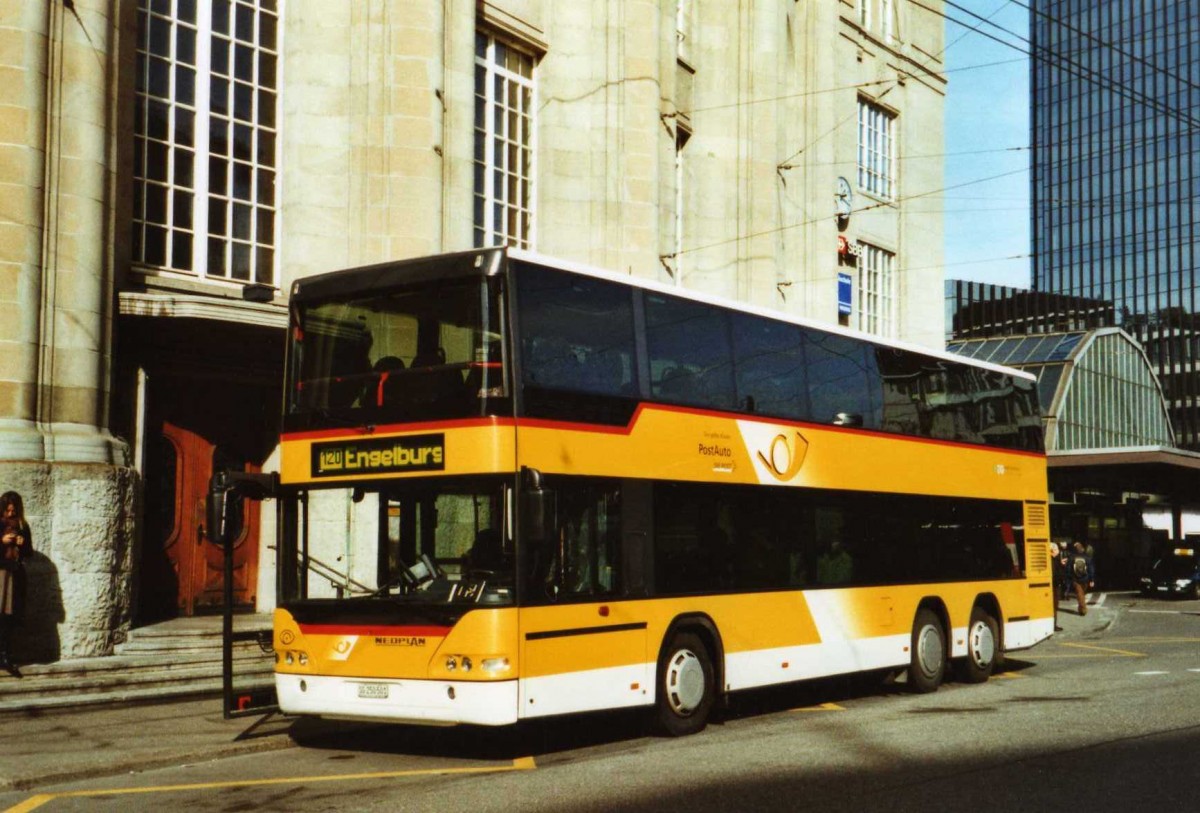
{"x":379,"y":456}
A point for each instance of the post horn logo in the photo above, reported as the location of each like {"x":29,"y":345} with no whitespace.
{"x":784,"y":458}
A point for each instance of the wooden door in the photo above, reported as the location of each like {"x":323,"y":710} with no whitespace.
{"x":198,"y":564}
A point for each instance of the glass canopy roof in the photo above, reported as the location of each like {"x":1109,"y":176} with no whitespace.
{"x":1014,"y":351}
{"x":1097,"y":389}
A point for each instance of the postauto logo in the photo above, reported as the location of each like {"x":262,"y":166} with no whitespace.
{"x":379,"y":456}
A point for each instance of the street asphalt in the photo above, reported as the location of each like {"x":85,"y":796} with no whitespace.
{"x":53,"y":747}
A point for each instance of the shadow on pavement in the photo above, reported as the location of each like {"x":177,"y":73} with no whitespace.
{"x":572,"y":732}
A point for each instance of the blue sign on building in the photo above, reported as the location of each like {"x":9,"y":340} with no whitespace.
{"x":845,"y":293}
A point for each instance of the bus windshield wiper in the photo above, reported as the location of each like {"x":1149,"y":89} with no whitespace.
{"x":325,"y":415}
{"x":417,"y":577}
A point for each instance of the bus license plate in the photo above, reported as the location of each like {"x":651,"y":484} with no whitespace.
{"x":373,"y":691}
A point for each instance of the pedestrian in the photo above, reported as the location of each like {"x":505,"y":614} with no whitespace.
{"x":1083,"y":575}
{"x":1060,"y":576}
{"x":16,"y":543}
{"x":1064,"y":557}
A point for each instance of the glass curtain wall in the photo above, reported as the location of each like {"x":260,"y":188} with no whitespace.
{"x":1116,"y":173}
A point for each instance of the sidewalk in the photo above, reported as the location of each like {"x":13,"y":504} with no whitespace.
{"x":1099,"y":618}
{"x":43,"y":747}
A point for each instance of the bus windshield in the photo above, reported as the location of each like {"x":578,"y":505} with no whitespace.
{"x":430,"y":352}
{"x":444,"y":541}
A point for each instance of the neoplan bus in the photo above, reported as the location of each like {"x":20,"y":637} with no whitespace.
{"x":513,"y":487}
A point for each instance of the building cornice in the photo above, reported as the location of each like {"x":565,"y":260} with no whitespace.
{"x":188,"y":306}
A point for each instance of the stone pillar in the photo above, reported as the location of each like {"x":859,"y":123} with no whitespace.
{"x":58,"y":188}
{"x":731,"y":236}
{"x":601,"y":134}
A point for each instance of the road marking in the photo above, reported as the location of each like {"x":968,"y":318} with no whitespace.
{"x":1008,"y":675}
{"x":34,"y":802}
{"x":1098,"y":602}
{"x":1166,"y":612}
{"x":822,"y":707}
{"x":1154,"y":640}
{"x":1124,"y":652}
{"x":1152,"y":673}
{"x":1101,"y":651}
{"x":1194,"y":670}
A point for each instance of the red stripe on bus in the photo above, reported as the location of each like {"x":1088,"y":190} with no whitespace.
{"x":372,"y":630}
{"x":547,"y":423}
{"x":627,"y":429}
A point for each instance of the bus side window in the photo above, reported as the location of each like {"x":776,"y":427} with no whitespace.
{"x":843,"y":379}
{"x":585,"y":546}
{"x":688,"y":343}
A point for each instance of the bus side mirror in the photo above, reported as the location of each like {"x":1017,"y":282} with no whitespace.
{"x":225,"y":485}
{"x":847,"y":419}
{"x":533,"y":505}
{"x":215,"y":509}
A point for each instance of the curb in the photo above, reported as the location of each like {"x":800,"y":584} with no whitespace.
{"x":1100,"y":618}
{"x":12,"y":705}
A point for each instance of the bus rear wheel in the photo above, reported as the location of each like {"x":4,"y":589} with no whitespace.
{"x":686,"y":688}
{"x":927,"y":667}
{"x":983,"y":647}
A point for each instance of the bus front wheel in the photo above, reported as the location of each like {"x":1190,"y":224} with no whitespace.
{"x":928,"y":664}
{"x":983,"y":647}
{"x":686,"y":688}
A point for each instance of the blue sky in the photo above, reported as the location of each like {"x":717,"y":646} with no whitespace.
{"x":987,"y":116}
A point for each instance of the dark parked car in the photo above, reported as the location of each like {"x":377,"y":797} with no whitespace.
{"x":1175,"y":574}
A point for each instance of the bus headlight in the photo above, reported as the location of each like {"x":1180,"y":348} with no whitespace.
{"x":465,"y":663}
{"x":292,"y":657}
{"x":494,"y":666}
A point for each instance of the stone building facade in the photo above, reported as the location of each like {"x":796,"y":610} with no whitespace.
{"x":170,"y":166}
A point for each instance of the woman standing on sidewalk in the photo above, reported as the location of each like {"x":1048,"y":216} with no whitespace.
{"x":16,"y":543}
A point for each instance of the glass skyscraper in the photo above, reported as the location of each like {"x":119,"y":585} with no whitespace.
{"x":1116,"y":174}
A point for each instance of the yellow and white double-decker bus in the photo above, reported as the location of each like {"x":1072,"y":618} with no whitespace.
{"x":513,"y":487}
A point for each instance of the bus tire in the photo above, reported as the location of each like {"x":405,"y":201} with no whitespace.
{"x":686,"y":686}
{"x":983,"y":646}
{"x":927,"y":666}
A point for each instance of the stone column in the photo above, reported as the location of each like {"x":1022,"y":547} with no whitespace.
{"x":732,"y":217}
{"x":58,"y":188}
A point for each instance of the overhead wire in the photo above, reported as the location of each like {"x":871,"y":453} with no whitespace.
{"x":1032,"y":51}
{"x":866,"y":208}
{"x":1062,"y":23}
{"x":1117,"y":142}
{"x":1069,"y":66}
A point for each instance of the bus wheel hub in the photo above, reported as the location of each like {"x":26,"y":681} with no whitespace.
{"x":983,"y":644}
{"x":685,"y":682}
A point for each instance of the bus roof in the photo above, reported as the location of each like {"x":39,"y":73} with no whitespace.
{"x":713,"y":299}
{"x":467,"y":263}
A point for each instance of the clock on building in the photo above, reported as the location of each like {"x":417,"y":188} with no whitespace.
{"x":844,"y":197}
